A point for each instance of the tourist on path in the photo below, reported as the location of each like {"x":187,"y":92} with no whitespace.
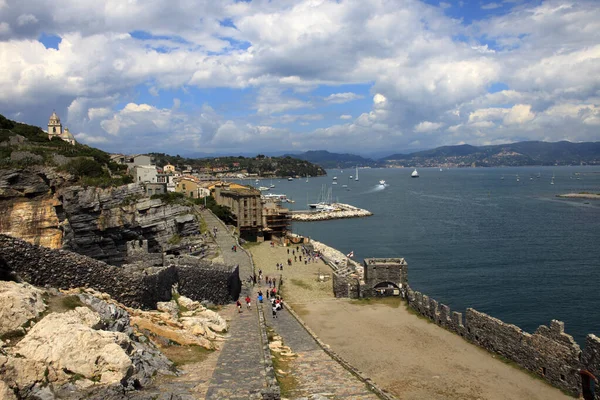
{"x":248,"y":302}
{"x":239,"y":306}
{"x":274,"y":308}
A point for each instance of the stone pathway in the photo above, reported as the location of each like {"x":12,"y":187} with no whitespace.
{"x":317,"y":374}
{"x":240,"y":372}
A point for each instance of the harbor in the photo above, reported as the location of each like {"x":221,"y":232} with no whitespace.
{"x":332,"y":211}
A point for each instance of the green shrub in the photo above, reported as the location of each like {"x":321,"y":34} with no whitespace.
{"x":169,"y":197}
{"x":81,"y":167}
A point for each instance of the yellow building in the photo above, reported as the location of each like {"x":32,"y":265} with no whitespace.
{"x":169,"y":169}
{"x":191,"y":187}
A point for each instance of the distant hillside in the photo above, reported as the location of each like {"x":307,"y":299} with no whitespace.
{"x":336,"y":160}
{"x":513,"y":154}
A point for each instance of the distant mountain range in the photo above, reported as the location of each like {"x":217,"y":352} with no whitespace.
{"x":335,"y":160}
{"x":512,"y":154}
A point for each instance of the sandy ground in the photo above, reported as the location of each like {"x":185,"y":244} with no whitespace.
{"x":407,"y":355}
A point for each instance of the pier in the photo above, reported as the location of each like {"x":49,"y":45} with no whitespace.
{"x":334,"y":211}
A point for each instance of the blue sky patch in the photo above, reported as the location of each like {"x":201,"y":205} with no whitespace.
{"x":50,"y":41}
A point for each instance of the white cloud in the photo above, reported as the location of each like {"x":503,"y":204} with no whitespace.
{"x":518,"y":114}
{"x":427,"y":126}
{"x":445,"y":5}
{"x":338,"y":98}
{"x":26,"y":19}
{"x":490,"y":6}
{"x":405,"y":53}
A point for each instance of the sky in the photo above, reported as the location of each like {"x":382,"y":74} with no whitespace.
{"x":358,"y":76}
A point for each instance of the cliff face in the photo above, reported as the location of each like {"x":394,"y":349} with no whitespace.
{"x":27,"y":207}
{"x":41,"y":208}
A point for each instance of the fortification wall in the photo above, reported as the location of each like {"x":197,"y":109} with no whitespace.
{"x":133,"y":286}
{"x":345,"y":286}
{"x":549,"y":351}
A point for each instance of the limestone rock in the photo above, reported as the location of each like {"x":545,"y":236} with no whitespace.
{"x":68,"y":341}
{"x":19,"y":303}
{"x":5,"y":392}
{"x":169,"y":307}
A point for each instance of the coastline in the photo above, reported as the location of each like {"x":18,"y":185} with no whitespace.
{"x":588,"y":196}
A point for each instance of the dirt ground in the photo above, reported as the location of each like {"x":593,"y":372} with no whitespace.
{"x":403,"y":353}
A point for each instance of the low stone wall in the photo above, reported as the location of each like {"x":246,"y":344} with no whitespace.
{"x":135,"y":287}
{"x":548,"y":352}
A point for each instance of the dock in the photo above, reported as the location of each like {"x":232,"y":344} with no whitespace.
{"x":339,"y":210}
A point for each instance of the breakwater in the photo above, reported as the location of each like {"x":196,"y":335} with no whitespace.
{"x":549,"y":352}
{"x":334,"y":211}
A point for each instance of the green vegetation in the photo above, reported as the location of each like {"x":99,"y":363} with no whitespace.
{"x":300,"y":283}
{"x":261,"y":165}
{"x":71,"y":302}
{"x":390,"y":301}
{"x":90,"y":166}
{"x":175,"y":239}
{"x":222,"y":212}
{"x":170,"y":197}
{"x":181,"y":355}
{"x":282,"y":366}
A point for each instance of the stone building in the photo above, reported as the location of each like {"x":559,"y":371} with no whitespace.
{"x":155,"y":188}
{"x":55,"y":129}
{"x":276,"y":220}
{"x":246,"y":207}
{"x":384,"y":276}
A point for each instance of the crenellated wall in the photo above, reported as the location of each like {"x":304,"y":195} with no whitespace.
{"x":133,"y":286}
{"x":548,"y":352}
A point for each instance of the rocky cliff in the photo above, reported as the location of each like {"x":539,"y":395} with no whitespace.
{"x":40,"y":206}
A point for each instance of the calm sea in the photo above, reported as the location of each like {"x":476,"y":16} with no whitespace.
{"x":472,"y":239}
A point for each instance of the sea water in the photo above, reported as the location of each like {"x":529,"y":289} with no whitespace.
{"x":476,"y":237}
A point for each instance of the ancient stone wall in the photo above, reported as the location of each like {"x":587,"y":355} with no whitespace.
{"x":133,"y":286}
{"x":548,"y":352}
{"x":345,"y":286}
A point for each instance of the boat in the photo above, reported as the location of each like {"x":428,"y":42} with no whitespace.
{"x":335,"y":178}
{"x":356,"y":176}
{"x":263,"y":188}
{"x":382,"y":183}
{"x":334,"y":183}
{"x":307,"y":178}
{"x":502,"y":178}
{"x":290,"y":178}
{"x":271,"y":185}
{"x":351,"y":177}
{"x":344,"y":186}
{"x":275,"y":197}
{"x":518,"y":179}
{"x":552,"y":181}
{"x":441,"y":170}
{"x":414,"y":174}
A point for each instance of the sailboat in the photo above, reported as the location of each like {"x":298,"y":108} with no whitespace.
{"x":356,"y":176}
{"x":306,"y":178}
{"x":518,"y":180}
{"x":552,"y":181}
{"x":502,"y":178}
{"x":271,"y":186}
{"x":414,"y":174}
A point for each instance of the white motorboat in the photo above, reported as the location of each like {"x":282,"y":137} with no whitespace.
{"x":414,"y":174}
{"x":263,"y":188}
{"x":382,"y":183}
{"x":290,"y":179}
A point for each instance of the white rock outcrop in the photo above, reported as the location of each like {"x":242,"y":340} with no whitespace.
{"x":67,"y":341}
{"x":20,"y":303}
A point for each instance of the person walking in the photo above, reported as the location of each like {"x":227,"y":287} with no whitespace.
{"x":248,"y":302}
{"x":239,"y":305}
{"x":274,"y":308}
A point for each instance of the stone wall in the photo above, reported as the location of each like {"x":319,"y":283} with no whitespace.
{"x":549,"y":351}
{"x":345,"y":286}
{"x":132,"y":286}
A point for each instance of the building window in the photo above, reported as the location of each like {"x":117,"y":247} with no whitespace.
{"x":183,"y":186}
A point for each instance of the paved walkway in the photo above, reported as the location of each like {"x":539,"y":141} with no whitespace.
{"x":318,"y":376}
{"x":240,"y":372}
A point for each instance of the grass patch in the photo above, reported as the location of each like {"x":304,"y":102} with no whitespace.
{"x":390,"y":301}
{"x":71,"y":303}
{"x":181,"y":355}
{"x":202,"y":224}
{"x":288,"y":385}
{"x":175,"y":239}
{"x":300,"y":283}
{"x":249,"y":245}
